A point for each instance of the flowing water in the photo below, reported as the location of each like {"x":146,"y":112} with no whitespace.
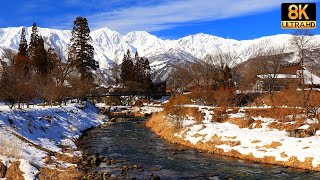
{"x":133,"y":142}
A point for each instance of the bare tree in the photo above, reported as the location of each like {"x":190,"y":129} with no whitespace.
{"x":302,"y":40}
{"x":268,"y":68}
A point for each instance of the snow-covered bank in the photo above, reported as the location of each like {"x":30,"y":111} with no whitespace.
{"x":32,"y":135}
{"x":257,"y":142}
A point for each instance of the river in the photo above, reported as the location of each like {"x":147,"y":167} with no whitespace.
{"x":133,"y":142}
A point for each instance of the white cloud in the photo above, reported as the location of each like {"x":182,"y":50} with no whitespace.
{"x":174,"y":13}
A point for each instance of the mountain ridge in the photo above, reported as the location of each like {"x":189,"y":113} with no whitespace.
{"x":110,"y":45}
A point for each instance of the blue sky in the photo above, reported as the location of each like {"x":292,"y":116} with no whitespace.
{"x":168,"y":19}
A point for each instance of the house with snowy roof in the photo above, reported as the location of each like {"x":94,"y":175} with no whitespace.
{"x":288,"y":75}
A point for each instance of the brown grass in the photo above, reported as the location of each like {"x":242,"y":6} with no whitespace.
{"x":273,"y":145}
{"x":291,"y":127}
{"x":275,"y":113}
{"x":177,"y":99}
{"x":220,"y":115}
{"x":14,"y":172}
{"x":255,"y":141}
{"x":172,"y":107}
{"x":186,"y":113}
{"x":71,"y":173}
{"x":66,"y":158}
{"x":242,"y":123}
{"x":284,"y":155}
{"x":256,"y":124}
{"x":290,"y":97}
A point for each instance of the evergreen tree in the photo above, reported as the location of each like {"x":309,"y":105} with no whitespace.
{"x":81,"y":51}
{"x":34,"y":41}
{"x":127,"y":68}
{"x":136,"y":57}
{"x":129,"y":55}
{"x":40,"y":59}
{"x":21,"y":62}
{"x":53,"y":59}
{"x":146,"y":82}
{"x":23,"y":45}
{"x":138,"y":68}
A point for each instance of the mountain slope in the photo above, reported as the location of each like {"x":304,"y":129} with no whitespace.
{"x":110,"y":45}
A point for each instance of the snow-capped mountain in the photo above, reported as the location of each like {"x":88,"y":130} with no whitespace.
{"x":110,"y":45}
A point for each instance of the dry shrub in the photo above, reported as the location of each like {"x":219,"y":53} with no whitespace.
{"x":242,"y":123}
{"x":256,"y":124}
{"x":197,"y":135}
{"x":273,"y":145}
{"x":314,"y":99}
{"x":159,"y":125}
{"x":287,"y":97}
{"x":295,"y":98}
{"x":177,"y":124}
{"x":275,"y":113}
{"x":216,"y":140}
{"x":173,"y":108}
{"x":177,"y":99}
{"x":290,"y":97}
{"x":195,"y":113}
{"x":67,"y":159}
{"x":14,"y":172}
{"x":206,"y":97}
{"x":220,"y":115}
{"x":233,"y":110}
{"x":225,"y":97}
{"x":286,"y":126}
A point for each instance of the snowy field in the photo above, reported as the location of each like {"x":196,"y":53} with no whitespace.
{"x":51,"y":128}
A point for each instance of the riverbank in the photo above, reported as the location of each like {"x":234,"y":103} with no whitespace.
{"x":39,"y":142}
{"x":257,"y":139}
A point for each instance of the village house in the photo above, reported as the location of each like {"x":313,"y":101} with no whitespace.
{"x":288,"y":75}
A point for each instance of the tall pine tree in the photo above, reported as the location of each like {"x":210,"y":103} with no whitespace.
{"x":53,"y":58}
{"x":81,"y":51}
{"x":21,"y":62}
{"x":127,"y":69}
{"x":40,"y":59}
{"x":146,"y":75}
{"x":136,"y":57}
{"x":34,"y":41}
{"x":138,"y":69}
{"x":23,"y":45}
